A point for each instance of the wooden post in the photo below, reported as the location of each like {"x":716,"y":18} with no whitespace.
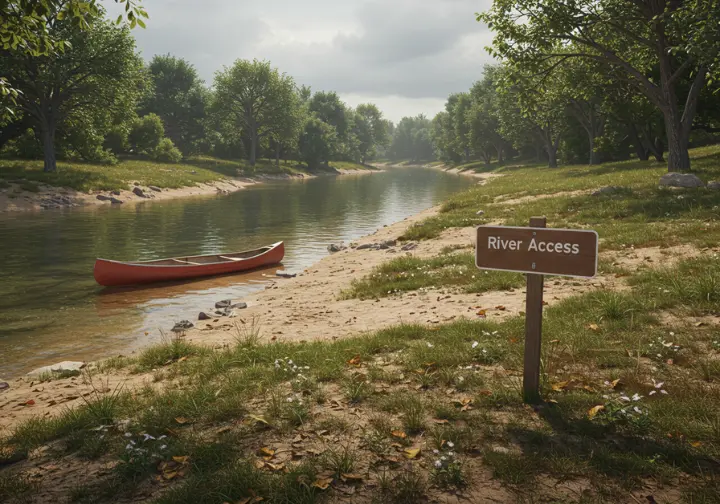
{"x":533,"y":329}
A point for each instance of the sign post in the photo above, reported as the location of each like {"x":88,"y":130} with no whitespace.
{"x":536,"y":251}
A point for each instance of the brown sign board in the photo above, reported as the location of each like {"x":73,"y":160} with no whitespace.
{"x":565,"y":252}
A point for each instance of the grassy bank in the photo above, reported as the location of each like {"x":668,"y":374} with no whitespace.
{"x":638,"y":214}
{"x":90,"y":177}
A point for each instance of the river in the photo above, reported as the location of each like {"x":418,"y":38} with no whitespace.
{"x":51,"y":309}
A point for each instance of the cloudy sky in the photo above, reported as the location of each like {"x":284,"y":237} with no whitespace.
{"x":404,"y":55}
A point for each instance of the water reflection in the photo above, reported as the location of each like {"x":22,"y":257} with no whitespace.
{"x":51,"y":309}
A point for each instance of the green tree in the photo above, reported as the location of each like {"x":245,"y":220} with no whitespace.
{"x":483,"y":117}
{"x":460,"y":124}
{"x":255,"y":98}
{"x":179,"y":98}
{"x":678,"y":38}
{"x":412,"y":139}
{"x":318,"y":141}
{"x":146,"y":133}
{"x":98,"y":74}
{"x":371,"y":130}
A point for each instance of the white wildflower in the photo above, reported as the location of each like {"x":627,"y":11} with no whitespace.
{"x":624,"y":398}
{"x":636,"y":397}
{"x":664,"y":391}
{"x":443,"y":458}
{"x":637,"y":410}
{"x":653,"y":392}
{"x":289,"y":399}
{"x":430,"y":345}
{"x":436,"y":452}
{"x":451,"y":444}
{"x":438,"y":464}
{"x":148,"y":437}
{"x":128,"y":434}
{"x":475,"y":344}
{"x":163,"y":447}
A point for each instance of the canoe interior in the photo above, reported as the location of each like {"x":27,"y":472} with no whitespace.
{"x":206,"y":259}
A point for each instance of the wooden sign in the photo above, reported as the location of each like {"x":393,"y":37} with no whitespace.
{"x":536,"y":251}
{"x":566,"y":252}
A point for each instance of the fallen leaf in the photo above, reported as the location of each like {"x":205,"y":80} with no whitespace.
{"x":169,"y":475}
{"x":485,"y":392}
{"x":560,"y":386}
{"x":181,"y":459}
{"x":700,"y":324}
{"x":351,"y":477}
{"x":616,"y":383}
{"x":588,"y":388}
{"x":593,"y":327}
{"x":182,"y":420}
{"x":31,"y":402}
{"x":411,"y":453}
{"x":259,"y":464}
{"x":595,"y":410}
{"x":246,"y":500}
{"x":554,"y":341}
{"x":513,"y":340}
{"x":552,"y":401}
{"x":545,"y":303}
{"x":695,"y":444}
{"x":500,"y":307}
{"x":481,"y":313}
{"x":440,"y":421}
{"x":275,"y":467}
{"x":399,"y":434}
{"x":355,"y":361}
{"x":183,"y":358}
{"x":322,"y":483}
{"x":266,"y":452}
{"x":258,"y":419}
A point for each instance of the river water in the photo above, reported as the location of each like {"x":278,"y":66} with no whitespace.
{"x":51,"y":309}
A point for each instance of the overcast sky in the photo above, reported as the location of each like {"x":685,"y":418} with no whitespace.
{"x":404,"y":55}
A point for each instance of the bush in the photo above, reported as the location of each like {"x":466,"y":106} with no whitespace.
{"x":166,"y":152}
{"x":116,"y":139}
{"x":26,"y":146}
{"x":146,"y":133}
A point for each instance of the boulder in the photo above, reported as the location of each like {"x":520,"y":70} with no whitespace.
{"x":225,"y":303}
{"x":239,"y":306}
{"x":115,"y":193}
{"x":154,"y":188}
{"x":336,"y":247}
{"x":366,"y":246}
{"x":60,"y":367}
{"x":480,"y":212}
{"x":714,"y":185}
{"x":205,"y":316}
{"x":139,"y":192}
{"x":409,"y":246}
{"x":608,"y":190}
{"x":182,"y":326}
{"x":285,"y":274}
{"x":687,"y":180}
{"x":102,"y":197}
{"x":115,"y":201}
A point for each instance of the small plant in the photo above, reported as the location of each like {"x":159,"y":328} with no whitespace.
{"x":409,"y":487}
{"x":622,"y":410}
{"x":661,"y":350}
{"x":296,"y":411}
{"x":341,"y":461}
{"x":14,"y":486}
{"x":357,"y":389}
{"x":248,"y":334}
{"x":447,"y":470}
{"x":414,"y":416}
{"x":141,"y":454}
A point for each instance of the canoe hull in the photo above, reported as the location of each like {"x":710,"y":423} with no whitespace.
{"x":115,"y":273}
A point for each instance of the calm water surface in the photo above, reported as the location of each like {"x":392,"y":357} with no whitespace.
{"x":51,"y":309}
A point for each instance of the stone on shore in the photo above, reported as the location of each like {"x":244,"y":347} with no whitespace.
{"x":115,"y":193}
{"x":154,"y":188}
{"x":116,"y":201}
{"x":139,"y":192}
{"x":409,"y":246}
{"x":336,"y":247}
{"x":182,"y":326}
{"x":4,"y":385}
{"x":365,"y":246}
{"x":103,"y":197}
{"x":285,"y":274}
{"x":238,"y":306}
{"x":60,"y":367}
{"x":205,"y":316}
{"x":687,"y":180}
{"x":225,"y":303}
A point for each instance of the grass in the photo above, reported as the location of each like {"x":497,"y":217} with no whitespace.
{"x":412,"y":273}
{"x":83,"y":176}
{"x":641,"y":215}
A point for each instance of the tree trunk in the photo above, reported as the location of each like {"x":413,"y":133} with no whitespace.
{"x":678,"y":156}
{"x":591,"y":140}
{"x":640,"y":150}
{"x":500,"y":153}
{"x":48,"y":141}
{"x":552,"y":157}
{"x":253,"y":145}
{"x":277,"y":154}
{"x":467,"y":155}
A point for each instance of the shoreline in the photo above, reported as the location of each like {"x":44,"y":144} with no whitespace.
{"x":13,"y":199}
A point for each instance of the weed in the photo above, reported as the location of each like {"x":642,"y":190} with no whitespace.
{"x":447,"y":470}
{"x":357,"y":389}
{"x":409,"y":487}
{"x":15,"y":487}
{"x":248,"y":334}
{"x":168,"y":352}
{"x":341,"y":461}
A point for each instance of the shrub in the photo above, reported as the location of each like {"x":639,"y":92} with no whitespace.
{"x":116,"y":139}
{"x":146,"y":133}
{"x":166,"y":152}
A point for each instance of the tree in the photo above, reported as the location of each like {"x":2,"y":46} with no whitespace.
{"x":146,"y":133}
{"x":460,"y":124}
{"x":256,"y":98}
{"x":179,"y":98}
{"x":317,"y":142}
{"x":676,"y":37}
{"x":98,"y":74}
{"x":484,"y":117}
{"x":26,"y":28}
{"x":412,"y":139}
{"x":371,"y":130}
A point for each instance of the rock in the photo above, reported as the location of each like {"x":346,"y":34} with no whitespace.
{"x":116,"y":201}
{"x":204,"y":316}
{"x":225,"y":303}
{"x":285,"y":274}
{"x":388,"y":243}
{"x":608,"y":190}
{"x":136,"y":184}
{"x":139,"y":192}
{"x":714,"y":185}
{"x":60,"y":367}
{"x":102,"y":197}
{"x":154,"y":188}
{"x":480,"y":212}
{"x":4,"y":385}
{"x":409,"y":246}
{"x":336,"y":247}
{"x":239,"y":306}
{"x":687,"y":180}
{"x":115,"y":192}
{"x":366,"y":246}
{"x":182,"y":326}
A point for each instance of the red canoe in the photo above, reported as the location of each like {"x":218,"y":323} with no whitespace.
{"x":113,"y":273}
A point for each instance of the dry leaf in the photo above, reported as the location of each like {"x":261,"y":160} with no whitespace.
{"x":275,"y":467}
{"x":259,"y":464}
{"x":593,"y":327}
{"x":595,"y":410}
{"x":615,"y":383}
{"x":500,"y":307}
{"x":182,"y":420}
{"x":411,"y":453}
{"x":181,"y":460}
{"x":482,"y":313}
{"x":485,"y":392}
{"x":183,"y":358}
{"x":440,"y":421}
{"x":399,"y":434}
{"x":558,"y":387}
{"x":352,"y":477}
{"x":258,"y":419}
{"x":695,"y":444}
{"x":31,"y":402}
{"x":322,"y":483}
{"x":552,"y":401}
{"x":169,"y":475}
{"x":355,"y":361}
{"x":266,"y":452}
{"x":700,"y":324}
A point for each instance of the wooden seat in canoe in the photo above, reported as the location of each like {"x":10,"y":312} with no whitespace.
{"x":231,"y":258}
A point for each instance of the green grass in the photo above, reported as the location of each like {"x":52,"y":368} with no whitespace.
{"x":412,"y":273}
{"x":83,"y":176}
{"x":641,"y":215}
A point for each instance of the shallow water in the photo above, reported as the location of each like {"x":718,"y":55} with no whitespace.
{"x":51,"y":309}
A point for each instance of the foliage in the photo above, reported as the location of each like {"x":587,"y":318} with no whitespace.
{"x":412,"y":140}
{"x":146,"y":133}
{"x":166,"y":152}
{"x":318,"y":141}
